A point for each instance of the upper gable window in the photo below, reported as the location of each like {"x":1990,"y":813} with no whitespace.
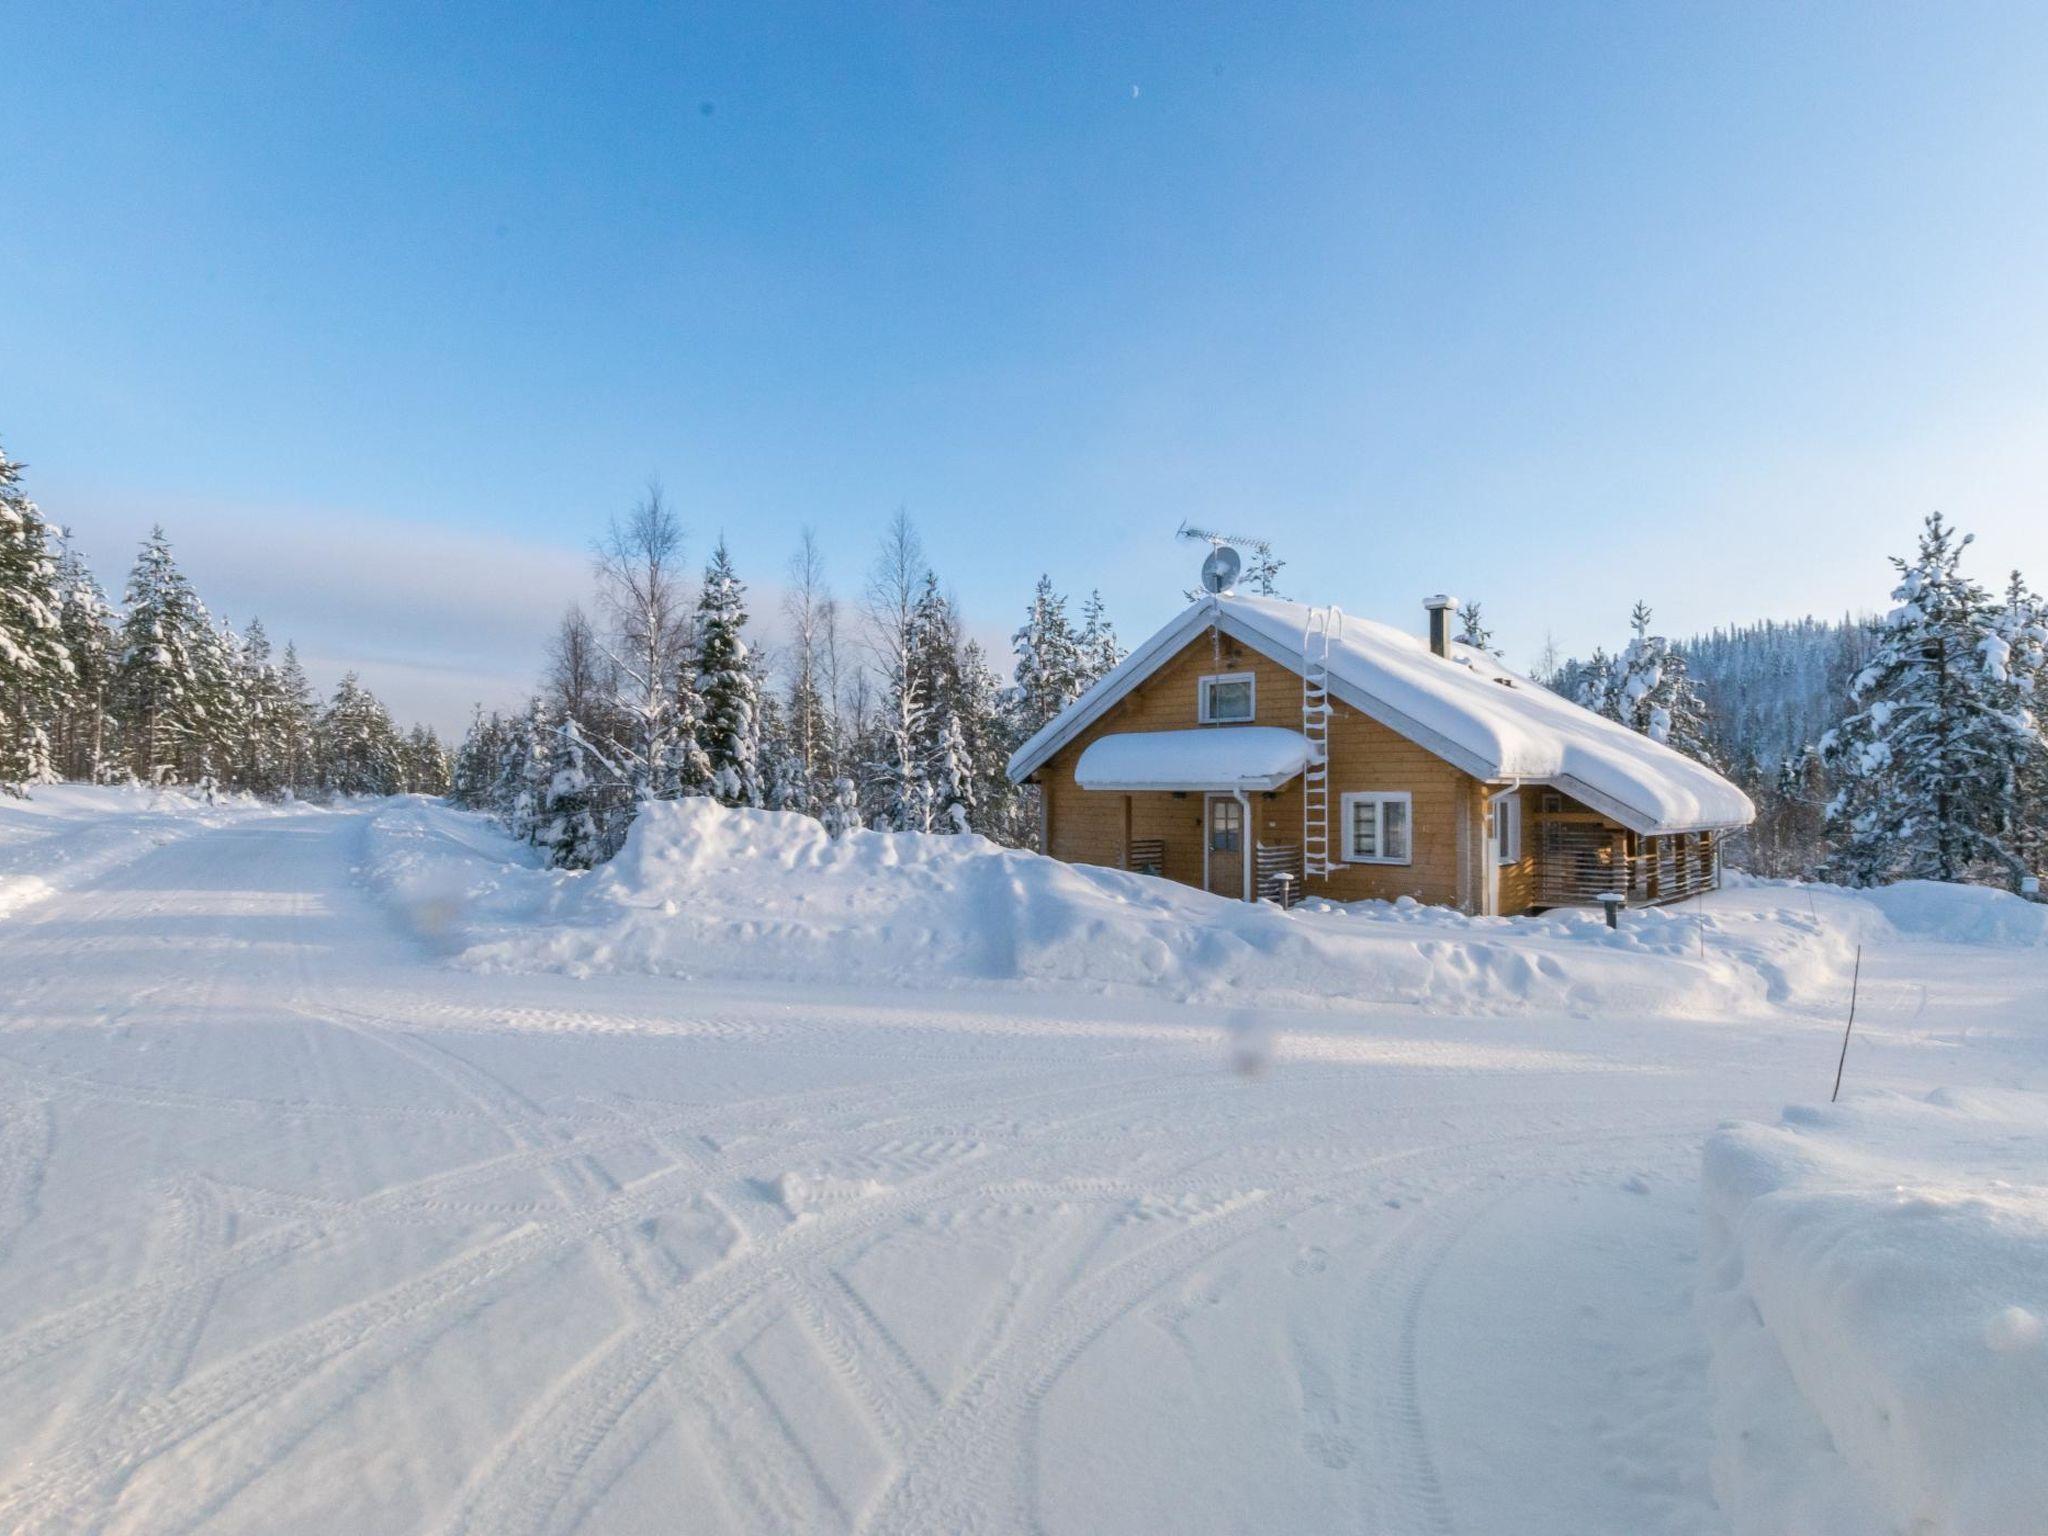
{"x":1228,"y":697}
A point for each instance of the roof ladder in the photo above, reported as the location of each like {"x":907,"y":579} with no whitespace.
{"x":1322,"y":627}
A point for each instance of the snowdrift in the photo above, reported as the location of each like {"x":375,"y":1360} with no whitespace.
{"x":1875,"y":1293}
{"x":704,"y":892}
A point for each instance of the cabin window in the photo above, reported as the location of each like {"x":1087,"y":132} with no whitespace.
{"x":1377,"y":827}
{"x":1227,"y":697}
{"x":1226,"y":826}
{"x":1507,"y":829}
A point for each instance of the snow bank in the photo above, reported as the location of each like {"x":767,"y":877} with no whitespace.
{"x":704,"y":892}
{"x":1961,"y":914}
{"x":1875,"y":1290}
{"x":64,"y":835}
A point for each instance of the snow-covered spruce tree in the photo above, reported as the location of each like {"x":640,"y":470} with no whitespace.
{"x":1921,"y":767}
{"x":528,"y":771}
{"x":297,"y":712}
{"x":1049,"y":662}
{"x":1591,"y":684}
{"x":219,"y":715}
{"x":2017,"y":653}
{"x":687,"y":766}
{"x":260,"y":767}
{"x":1651,"y":692}
{"x":156,"y":682}
{"x":566,"y":825}
{"x":87,"y":621}
{"x":730,"y":727}
{"x":425,"y":763}
{"x":1474,"y":631}
{"x":476,"y":761}
{"x":35,"y":667}
{"x":841,"y":813}
{"x":356,"y":744}
{"x":988,"y":743}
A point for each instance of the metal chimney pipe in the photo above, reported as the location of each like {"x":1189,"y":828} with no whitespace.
{"x":1440,"y":607}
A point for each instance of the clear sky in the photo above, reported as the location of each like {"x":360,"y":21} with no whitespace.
{"x":383,"y":309}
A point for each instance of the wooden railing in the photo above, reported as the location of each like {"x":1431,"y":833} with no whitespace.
{"x":1147,"y":855}
{"x":1279,"y":873}
{"x":1582,"y":861}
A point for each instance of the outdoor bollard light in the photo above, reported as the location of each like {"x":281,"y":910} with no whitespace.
{"x":1612,"y":901}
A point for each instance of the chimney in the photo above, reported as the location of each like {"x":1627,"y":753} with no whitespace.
{"x":1440,"y":610}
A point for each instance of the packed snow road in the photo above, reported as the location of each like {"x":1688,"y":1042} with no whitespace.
{"x":301,"y":1229}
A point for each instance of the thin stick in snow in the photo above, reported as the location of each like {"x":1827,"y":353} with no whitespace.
{"x":1855,"y":977}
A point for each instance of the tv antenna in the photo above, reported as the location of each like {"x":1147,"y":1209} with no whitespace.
{"x":1220,"y":570}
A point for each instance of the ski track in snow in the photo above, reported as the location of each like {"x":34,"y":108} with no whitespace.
{"x":299,"y":1229}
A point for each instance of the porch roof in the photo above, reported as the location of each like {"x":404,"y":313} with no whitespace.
{"x":1216,"y":757}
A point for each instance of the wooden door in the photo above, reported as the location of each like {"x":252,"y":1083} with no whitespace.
{"x":1226,"y":846}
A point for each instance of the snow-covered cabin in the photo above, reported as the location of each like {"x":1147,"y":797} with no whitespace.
{"x":1258,"y":748}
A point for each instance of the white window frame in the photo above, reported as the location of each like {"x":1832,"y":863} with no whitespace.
{"x":1379,"y":799}
{"x":1507,"y":830}
{"x":1203,"y":714}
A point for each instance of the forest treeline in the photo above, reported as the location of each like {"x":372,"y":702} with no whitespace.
{"x":883,"y":713}
{"x":160,"y":691}
{"x":1907,"y":745}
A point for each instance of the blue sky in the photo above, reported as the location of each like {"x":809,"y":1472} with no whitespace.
{"x":382,"y":310}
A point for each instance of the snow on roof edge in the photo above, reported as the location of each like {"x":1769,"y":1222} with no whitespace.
{"x":1449,"y":706}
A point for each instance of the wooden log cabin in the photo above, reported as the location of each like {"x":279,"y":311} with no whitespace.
{"x":1263,"y":749}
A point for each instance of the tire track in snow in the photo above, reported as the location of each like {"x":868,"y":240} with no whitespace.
{"x":975,"y":1466}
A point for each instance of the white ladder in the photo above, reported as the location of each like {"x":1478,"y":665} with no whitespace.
{"x":1322,"y":627}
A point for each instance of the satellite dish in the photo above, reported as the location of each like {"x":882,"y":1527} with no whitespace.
{"x":1219,"y":571}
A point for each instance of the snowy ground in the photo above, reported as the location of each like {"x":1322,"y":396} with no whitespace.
{"x":329,"y":1202}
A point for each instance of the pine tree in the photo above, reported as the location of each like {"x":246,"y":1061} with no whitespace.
{"x":425,"y":764}
{"x":1475,"y":633}
{"x":529,"y":771}
{"x":1591,"y":683}
{"x":86,"y":620}
{"x":36,"y":673}
{"x":730,"y":727}
{"x":2016,"y":654}
{"x":1650,"y":692}
{"x":567,"y":824}
{"x":686,"y":768}
{"x":476,"y":761}
{"x":157,"y":682}
{"x":356,"y":743}
{"x":1921,"y":767}
{"x":1262,"y":570}
{"x":842,"y":812}
{"x":1049,"y":661}
{"x":295,"y":724}
{"x":1096,"y":645}
{"x":987,"y":741}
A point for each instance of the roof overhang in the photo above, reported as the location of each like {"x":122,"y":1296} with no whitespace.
{"x":1226,"y":757}
{"x":1063,"y":728}
{"x":1071,"y":722}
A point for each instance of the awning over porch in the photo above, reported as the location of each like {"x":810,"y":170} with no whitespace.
{"x":1222,"y":757}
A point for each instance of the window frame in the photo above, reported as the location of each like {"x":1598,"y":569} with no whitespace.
{"x":1507,"y":814}
{"x":1205,"y":716}
{"x":1379,"y":799}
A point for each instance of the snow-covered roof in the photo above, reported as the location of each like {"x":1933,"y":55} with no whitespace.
{"x":1467,"y":708}
{"x":1221,"y":757}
